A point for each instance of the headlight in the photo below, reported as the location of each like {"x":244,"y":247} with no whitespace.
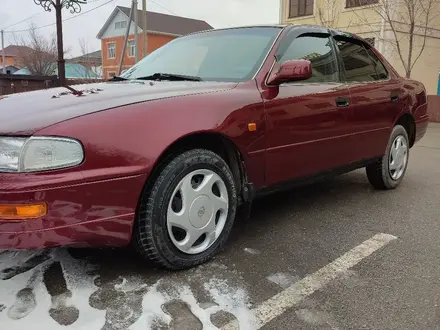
{"x":38,"y":153}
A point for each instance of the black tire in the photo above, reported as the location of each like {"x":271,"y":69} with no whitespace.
{"x":150,"y":236}
{"x":378,"y":173}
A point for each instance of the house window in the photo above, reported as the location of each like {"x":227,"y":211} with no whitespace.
{"x":111,"y":50}
{"x":370,"y":41}
{"x":131,"y":48}
{"x":299,"y":8}
{"x":359,"y":3}
{"x":120,"y":25}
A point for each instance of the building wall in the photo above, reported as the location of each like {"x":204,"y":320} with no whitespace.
{"x":333,"y":13}
{"x":111,"y":65}
{"x":112,"y":31}
{"x":426,"y":69}
{"x":10,"y":60}
{"x":367,"y":23}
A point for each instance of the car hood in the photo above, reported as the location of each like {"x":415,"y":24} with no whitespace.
{"x":25,"y":113}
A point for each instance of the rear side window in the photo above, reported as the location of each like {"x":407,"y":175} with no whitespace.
{"x":381,"y":71}
{"x":319,"y":51}
{"x":357,"y":63}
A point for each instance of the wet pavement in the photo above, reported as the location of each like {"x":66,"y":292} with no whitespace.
{"x":290,"y":237}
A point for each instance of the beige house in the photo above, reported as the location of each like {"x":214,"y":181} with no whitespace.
{"x":380,"y":22}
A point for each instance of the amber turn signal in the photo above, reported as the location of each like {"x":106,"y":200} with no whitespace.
{"x":22,"y":211}
{"x":252,"y":127}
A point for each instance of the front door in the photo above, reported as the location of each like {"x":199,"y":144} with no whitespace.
{"x":306,"y":130}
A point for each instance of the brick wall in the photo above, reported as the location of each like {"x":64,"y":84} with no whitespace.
{"x":111,"y":65}
{"x":434,"y":108}
{"x":10,"y":60}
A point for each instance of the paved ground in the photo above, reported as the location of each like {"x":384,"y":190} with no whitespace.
{"x":285,"y":252}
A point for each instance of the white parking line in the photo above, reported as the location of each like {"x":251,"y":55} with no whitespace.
{"x":294,"y":294}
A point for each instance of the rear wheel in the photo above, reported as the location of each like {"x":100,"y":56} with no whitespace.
{"x":388,"y":172}
{"x":188,"y":214}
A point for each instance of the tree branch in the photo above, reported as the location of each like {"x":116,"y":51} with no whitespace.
{"x":424,"y":34}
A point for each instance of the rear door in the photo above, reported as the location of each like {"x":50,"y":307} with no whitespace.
{"x":307,"y":120}
{"x":375,"y":95}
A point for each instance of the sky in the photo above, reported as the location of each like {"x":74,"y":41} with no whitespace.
{"x":218,"y":13}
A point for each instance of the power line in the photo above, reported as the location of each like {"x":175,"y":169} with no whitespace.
{"x":7,"y":27}
{"x":64,"y":20}
{"x":168,"y":10}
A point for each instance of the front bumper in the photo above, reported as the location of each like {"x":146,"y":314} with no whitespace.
{"x":80,"y":214}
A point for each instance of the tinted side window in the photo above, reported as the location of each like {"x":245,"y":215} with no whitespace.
{"x":317,"y":50}
{"x":381,"y":71}
{"x":357,"y":63}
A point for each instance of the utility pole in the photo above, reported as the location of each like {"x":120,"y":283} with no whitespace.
{"x":127,"y":32}
{"x":60,"y":46}
{"x":75,"y":7}
{"x":136,"y":27}
{"x":281,"y":12}
{"x":3,"y":52}
{"x":144,"y":27}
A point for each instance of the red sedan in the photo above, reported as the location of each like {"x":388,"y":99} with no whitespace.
{"x":163,"y":156}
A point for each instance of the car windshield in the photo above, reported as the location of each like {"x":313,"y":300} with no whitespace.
{"x":223,"y":55}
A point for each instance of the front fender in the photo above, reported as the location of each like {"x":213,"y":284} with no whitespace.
{"x":128,"y":140}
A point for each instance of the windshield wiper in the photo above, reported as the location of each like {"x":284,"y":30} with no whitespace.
{"x":170,"y":76}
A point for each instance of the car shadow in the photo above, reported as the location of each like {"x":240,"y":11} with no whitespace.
{"x":300,"y":200}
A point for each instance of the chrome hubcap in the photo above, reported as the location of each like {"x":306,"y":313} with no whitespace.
{"x":197,"y":211}
{"x":398,"y":157}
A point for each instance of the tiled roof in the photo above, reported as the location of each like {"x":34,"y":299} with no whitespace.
{"x":14,"y":50}
{"x":163,"y":23}
{"x":94,"y":56}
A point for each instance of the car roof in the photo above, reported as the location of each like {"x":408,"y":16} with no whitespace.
{"x":281,"y":26}
{"x":289,"y":26}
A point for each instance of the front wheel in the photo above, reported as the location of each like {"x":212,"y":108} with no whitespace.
{"x":188,"y":214}
{"x":388,"y":172}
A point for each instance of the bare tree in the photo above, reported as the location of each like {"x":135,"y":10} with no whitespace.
{"x":75,"y":7}
{"x":92,"y":68}
{"x":328,"y":12}
{"x":38,"y":54}
{"x":409,"y":22}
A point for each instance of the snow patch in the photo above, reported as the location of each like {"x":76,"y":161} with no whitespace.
{"x":26,"y":302}
{"x":152,"y":309}
{"x":82,"y":285}
{"x":226,"y":298}
{"x":32,"y":308}
{"x":232,"y":300}
{"x":284,"y":280}
{"x":252,"y":251}
{"x":130,"y":285}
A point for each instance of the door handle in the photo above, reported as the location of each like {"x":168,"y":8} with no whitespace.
{"x":342,"y":101}
{"x":394,"y":97}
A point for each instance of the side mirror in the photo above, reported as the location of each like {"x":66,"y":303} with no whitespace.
{"x":293,"y":70}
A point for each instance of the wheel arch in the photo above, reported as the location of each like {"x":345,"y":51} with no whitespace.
{"x":407,"y":121}
{"x":213,"y":141}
